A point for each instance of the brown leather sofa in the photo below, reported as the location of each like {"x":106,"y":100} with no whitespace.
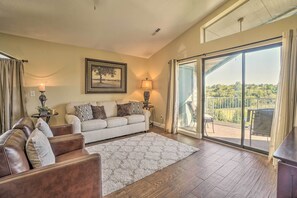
{"x":76,"y":173}
{"x":27,"y":125}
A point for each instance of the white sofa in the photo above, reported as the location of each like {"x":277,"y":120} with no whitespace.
{"x":98,"y":129}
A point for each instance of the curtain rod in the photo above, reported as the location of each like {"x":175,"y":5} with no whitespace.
{"x":11,"y":57}
{"x":230,"y":48}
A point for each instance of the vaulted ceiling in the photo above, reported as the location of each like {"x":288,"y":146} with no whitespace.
{"x":122,"y":26}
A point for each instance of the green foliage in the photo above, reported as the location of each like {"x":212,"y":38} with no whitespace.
{"x":43,"y":109}
{"x":103,"y":71}
{"x":236,"y":116}
{"x":235,"y":90}
{"x":220,"y":115}
{"x":224,"y":101}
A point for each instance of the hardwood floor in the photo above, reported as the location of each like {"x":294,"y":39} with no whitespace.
{"x":215,"y":171}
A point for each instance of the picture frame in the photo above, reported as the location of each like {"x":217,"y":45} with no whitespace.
{"x":104,"y":76}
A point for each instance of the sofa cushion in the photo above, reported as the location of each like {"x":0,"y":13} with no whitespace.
{"x":44,"y":128}
{"x":72,"y":155}
{"x":39,"y":150}
{"x":110,"y":108}
{"x":91,"y":125}
{"x":116,"y":121}
{"x":123,"y":109}
{"x":98,"y":112}
{"x":12,"y":153}
{"x":84,"y":112}
{"x":70,"y":106}
{"x":132,"y":119}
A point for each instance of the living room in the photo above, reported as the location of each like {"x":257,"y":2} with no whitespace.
{"x":170,"y":64}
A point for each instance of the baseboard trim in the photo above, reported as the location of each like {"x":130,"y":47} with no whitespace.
{"x":158,"y":124}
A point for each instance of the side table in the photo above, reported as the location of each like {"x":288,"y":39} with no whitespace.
{"x":150,"y":108}
{"x":46,"y":117}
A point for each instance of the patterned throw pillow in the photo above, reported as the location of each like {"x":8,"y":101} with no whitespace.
{"x":136,"y":107}
{"x":124,"y":109}
{"x":84,"y":112}
{"x":98,"y":112}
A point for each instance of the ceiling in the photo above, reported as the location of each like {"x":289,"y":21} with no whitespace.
{"x":255,"y":13}
{"x":122,"y":26}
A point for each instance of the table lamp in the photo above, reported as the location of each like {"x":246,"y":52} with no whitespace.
{"x":147,"y":85}
{"x":42,"y":97}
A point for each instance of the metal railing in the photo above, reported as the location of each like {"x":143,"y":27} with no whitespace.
{"x":229,"y":108}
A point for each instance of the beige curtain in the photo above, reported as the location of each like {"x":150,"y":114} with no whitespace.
{"x":286,"y":103}
{"x":172,"y":99}
{"x":12,"y":101}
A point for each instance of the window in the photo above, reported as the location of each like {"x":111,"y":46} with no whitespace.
{"x":247,"y":15}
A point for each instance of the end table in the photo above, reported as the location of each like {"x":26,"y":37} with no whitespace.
{"x":151,"y":109}
{"x":46,"y":117}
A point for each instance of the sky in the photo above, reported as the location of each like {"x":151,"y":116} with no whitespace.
{"x":262,"y":67}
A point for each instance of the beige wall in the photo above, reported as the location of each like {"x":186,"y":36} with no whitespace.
{"x":188,"y":44}
{"x":62,"y":69}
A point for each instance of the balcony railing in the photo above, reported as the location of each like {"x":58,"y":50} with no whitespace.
{"x":228,"y":109}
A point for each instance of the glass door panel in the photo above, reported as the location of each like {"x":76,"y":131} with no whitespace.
{"x":262,"y":69}
{"x":187,"y":96}
{"x":223,"y":98}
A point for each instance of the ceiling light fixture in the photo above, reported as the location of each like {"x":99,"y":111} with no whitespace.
{"x":240,"y":20}
{"x":156,"y":31}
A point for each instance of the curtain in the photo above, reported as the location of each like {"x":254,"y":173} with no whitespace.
{"x":286,"y":103}
{"x":12,"y":98}
{"x":172,"y":99}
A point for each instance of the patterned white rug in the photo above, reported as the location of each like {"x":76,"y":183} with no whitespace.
{"x":131,"y":159}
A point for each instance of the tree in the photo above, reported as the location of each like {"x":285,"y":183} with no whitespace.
{"x":103,"y":71}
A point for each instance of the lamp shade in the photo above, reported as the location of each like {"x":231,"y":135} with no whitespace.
{"x":147,"y":84}
{"x":41,"y":87}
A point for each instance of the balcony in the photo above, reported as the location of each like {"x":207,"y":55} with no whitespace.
{"x":226,"y":120}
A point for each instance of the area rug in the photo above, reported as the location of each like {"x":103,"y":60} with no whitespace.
{"x":128,"y":160}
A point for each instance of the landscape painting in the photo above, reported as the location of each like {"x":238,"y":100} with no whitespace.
{"x":105,"y":76}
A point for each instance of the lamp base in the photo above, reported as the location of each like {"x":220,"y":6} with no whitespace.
{"x":42,"y":98}
{"x":146,"y":96}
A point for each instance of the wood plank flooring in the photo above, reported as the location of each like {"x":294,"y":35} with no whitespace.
{"x":216,"y":171}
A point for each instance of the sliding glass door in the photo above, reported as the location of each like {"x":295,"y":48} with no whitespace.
{"x":239,"y":96}
{"x":187,"y":97}
{"x":223,"y":98}
{"x":262,"y":69}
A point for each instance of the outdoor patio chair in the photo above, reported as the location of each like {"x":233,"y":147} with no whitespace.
{"x":261,"y":121}
{"x":207,"y":118}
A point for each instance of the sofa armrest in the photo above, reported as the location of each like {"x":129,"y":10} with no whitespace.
{"x":80,"y":177}
{"x":74,"y":120}
{"x":147,"y":115}
{"x":66,"y":143}
{"x":25,"y":124}
{"x":62,"y":129}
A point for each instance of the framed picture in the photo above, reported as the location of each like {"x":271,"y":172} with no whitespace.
{"x":105,"y":76}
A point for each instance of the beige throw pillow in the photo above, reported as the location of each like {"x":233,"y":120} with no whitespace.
{"x":44,"y":128}
{"x":39,"y":150}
